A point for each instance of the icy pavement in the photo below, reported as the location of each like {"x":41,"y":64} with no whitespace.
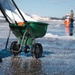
{"x":58,"y":59}
{"x":58,"y":56}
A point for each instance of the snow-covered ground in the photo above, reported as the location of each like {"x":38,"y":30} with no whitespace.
{"x":58,"y":53}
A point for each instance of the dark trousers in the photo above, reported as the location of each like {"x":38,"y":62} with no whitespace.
{"x":71,"y":27}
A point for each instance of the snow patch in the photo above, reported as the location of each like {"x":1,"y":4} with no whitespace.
{"x":49,"y":35}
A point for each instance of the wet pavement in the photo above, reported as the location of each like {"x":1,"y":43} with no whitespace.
{"x":58,"y":56}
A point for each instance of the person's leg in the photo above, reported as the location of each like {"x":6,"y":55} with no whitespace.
{"x":71,"y":28}
{"x":71,"y":31}
{"x":67,"y":31}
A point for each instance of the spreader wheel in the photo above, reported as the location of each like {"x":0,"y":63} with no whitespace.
{"x":36,"y":50}
{"x":0,"y":59}
{"x":14,"y":48}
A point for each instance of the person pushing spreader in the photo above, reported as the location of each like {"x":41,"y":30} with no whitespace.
{"x":24,"y":28}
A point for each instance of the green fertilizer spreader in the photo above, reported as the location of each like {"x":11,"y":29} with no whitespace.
{"x":26,"y":33}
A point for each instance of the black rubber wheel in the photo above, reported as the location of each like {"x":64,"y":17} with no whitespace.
{"x":0,"y":59}
{"x":15,"y":48}
{"x":36,"y":50}
{"x":25,"y":50}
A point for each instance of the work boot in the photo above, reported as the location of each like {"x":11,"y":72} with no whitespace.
{"x":0,"y":59}
{"x":71,"y":34}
